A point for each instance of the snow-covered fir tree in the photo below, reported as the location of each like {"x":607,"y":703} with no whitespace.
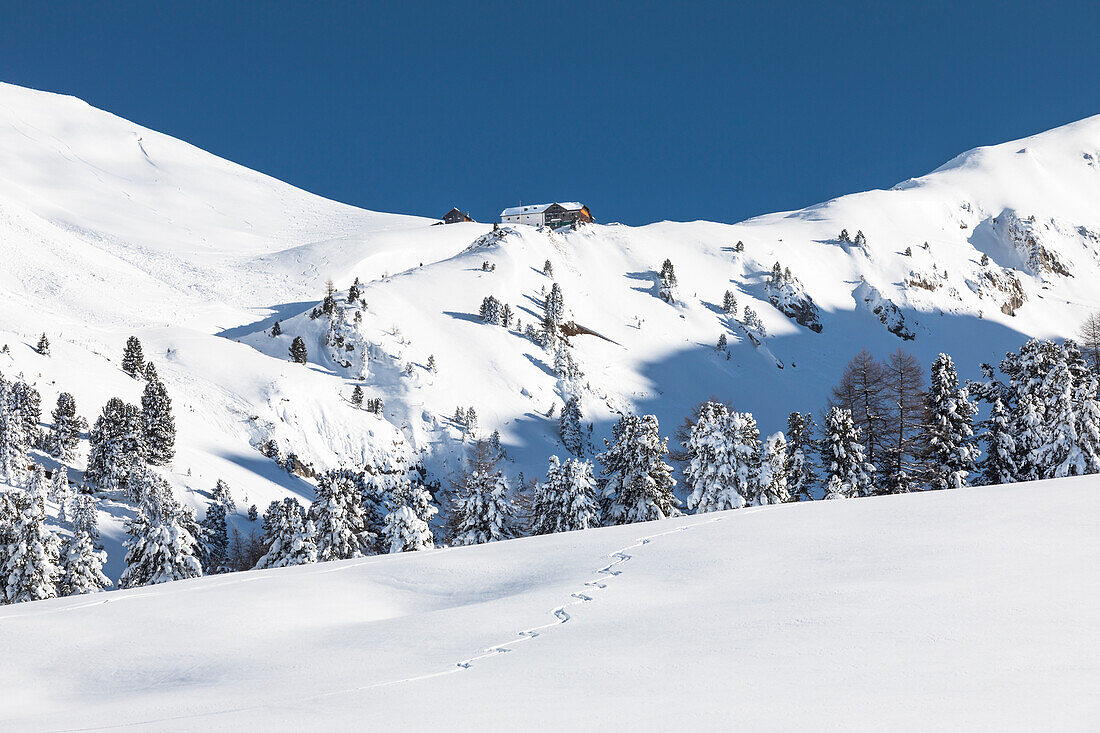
{"x":729,"y":303}
{"x":288,"y":536}
{"x":470,"y":421}
{"x":999,"y":464}
{"x":951,"y":451}
{"x":25,"y":403}
{"x":298,"y":352}
{"x":43,"y":346}
{"x":223,"y":496}
{"x":13,"y":439}
{"x":39,"y":485}
{"x":117,"y":446}
{"x":82,"y":565}
{"x":357,"y":396}
{"x":638,"y":483}
{"x":340,"y":529}
{"x":774,"y":477}
{"x":31,"y":569}
{"x":158,"y":424}
{"x":406,"y":526}
{"x":162,"y":545}
{"x":548,"y":269}
{"x":490,"y":310}
{"x":802,"y":475}
{"x":61,"y":493}
{"x":431,"y":364}
{"x":1060,"y":453}
{"x":214,"y":545}
{"x":481,"y":510}
{"x":569,"y":426}
{"x":276,"y":329}
{"x":1088,"y":434}
{"x":567,"y":500}
{"x":133,"y":360}
{"x":553,"y":313}
{"x":712,"y":462}
{"x":667,"y":288}
{"x":848,"y":473}
{"x":64,"y":434}
{"x":1029,"y":433}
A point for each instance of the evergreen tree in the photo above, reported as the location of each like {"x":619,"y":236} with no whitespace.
{"x":31,"y":568}
{"x":151,"y":374}
{"x":471,"y":421}
{"x":490,"y":310}
{"x":158,"y":425}
{"x":802,"y":475}
{"x":26,"y":403}
{"x":774,"y":479}
{"x":951,"y":450}
{"x":723,"y":342}
{"x":298,"y":352}
{"x":133,"y":360}
{"x":548,"y":269}
{"x":357,"y":396}
{"x":43,"y":347}
{"x":162,"y":546}
{"x":117,"y":445}
{"x":1030,"y":436}
{"x":61,"y":493}
{"x":85,"y":518}
{"x":729,"y":303}
{"x":431,"y":364}
{"x":1060,"y":453}
{"x":39,"y":486}
{"x":1088,"y":434}
{"x":82,"y":565}
{"x":64,"y":435}
{"x":713,"y":462}
{"x":553,"y":312}
{"x":568,"y":500}
{"x":215,"y":539}
{"x":639,"y":484}
{"x":667,"y":289}
{"x":481,"y":511}
{"x":276,"y":329}
{"x":13,"y":439}
{"x":353,"y":293}
{"x":848,"y":472}
{"x":999,"y":464}
{"x":288,"y":536}
{"x":340,"y":531}
{"x":569,"y":426}
{"x":222,"y":495}
{"x":406,"y":525}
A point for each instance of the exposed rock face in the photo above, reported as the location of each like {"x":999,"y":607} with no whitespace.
{"x":1026,"y":235}
{"x":887,"y":311}
{"x":786,"y":293}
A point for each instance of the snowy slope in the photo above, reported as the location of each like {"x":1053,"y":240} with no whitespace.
{"x":108,"y":230}
{"x":957,"y":610}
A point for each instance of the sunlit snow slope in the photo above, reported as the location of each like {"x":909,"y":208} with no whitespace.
{"x":973,"y":609}
{"x":108,"y":229}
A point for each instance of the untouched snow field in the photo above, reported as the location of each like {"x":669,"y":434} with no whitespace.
{"x":974,"y":609}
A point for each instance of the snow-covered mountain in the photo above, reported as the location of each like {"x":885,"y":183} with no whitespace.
{"x":108,"y":229}
{"x":953,"y":610}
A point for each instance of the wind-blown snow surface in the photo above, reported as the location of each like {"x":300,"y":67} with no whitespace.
{"x":973,"y":609}
{"x":108,"y":229}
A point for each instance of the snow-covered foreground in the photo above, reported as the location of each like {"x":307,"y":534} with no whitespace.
{"x":958,"y":610}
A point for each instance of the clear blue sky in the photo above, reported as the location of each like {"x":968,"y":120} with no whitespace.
{"x":644,"y":110}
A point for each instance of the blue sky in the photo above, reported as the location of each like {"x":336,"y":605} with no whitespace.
{"x":644,"y":110}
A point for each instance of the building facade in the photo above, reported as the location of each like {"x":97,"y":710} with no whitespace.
{"x":552,"y":215}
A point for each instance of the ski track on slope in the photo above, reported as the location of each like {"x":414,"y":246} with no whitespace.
{"x":561,"y":617}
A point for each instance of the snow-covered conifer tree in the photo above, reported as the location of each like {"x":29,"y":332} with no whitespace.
{"x":82,"y":565}
{"x":298,"y":352}
{"x":222,"y":495}
{"x":470,"y":421}
{"x":482,"y":511}
{"x":842,"y":455}
{"x":340,"y":531}
{"x":158,"y":425}
{"x":357,"y":396}
{"x":999,"y":464}
{"x":639,"y":484}
{"x":31,"y":568}
{"x":406,"y":526}
{"x":711,"y":465}
{"x":774,"y":478}
{"x":1060,"y":454}
{"x":568,"y":500}
{"x":13,"y":439}
{"x":64,"y":434}
{"x":161,"y":547}
{"x":276,"y":329}
{"x":215,"y":539}
{"x":288,"y":536}
{"x":117,"y":446}
{"x":569,"y":425}
{"x":951,"y":450}
{"x":553,"y":313}
{"x":39,"y":486}
{"x":133,"y":360}
{"x":61,"y":493}
{"x":667,"y":288}
{"x":800,"y":450}
{"x":43,"y":347}
{"x":729,"y":303}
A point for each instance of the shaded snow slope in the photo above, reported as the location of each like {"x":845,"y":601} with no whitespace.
{"x":956,"y":610}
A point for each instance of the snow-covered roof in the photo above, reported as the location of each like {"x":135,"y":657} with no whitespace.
{"x":539,"y":208}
